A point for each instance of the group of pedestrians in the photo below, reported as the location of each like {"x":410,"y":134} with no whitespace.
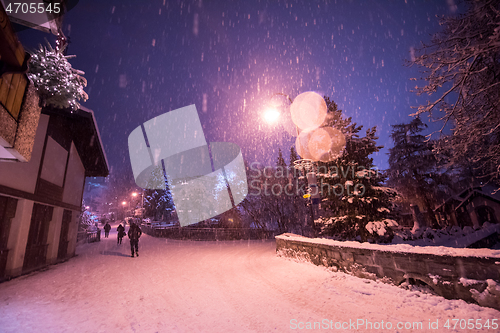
{"x":134,"y":233}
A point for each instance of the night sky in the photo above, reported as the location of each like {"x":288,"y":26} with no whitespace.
{"x":144,"y":58}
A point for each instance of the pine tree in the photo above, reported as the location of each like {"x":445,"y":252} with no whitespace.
{"x":352,"y":187}
{"x":280,"y":163}
{"x":413,"y":167}
{"x":293,"y":156}
{"x":157,"y":202}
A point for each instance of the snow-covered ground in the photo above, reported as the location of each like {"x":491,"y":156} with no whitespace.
{"x":234,"y":286}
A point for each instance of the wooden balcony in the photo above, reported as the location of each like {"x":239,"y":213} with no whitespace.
{"x":19,"y":103}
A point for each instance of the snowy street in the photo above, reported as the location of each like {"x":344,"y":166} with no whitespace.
{"x":233,"y":286}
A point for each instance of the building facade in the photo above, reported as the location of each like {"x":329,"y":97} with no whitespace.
{"x":472,"y":207}
{"x":40,"y":200}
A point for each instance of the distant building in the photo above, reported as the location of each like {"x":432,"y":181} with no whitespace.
{"x":472,"y":207}
{"x":94,"y":195}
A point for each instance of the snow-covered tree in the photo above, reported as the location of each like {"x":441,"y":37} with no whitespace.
{"x":414,"y":171}
{"x":158,"y":202}
{"x":352,"y":188}
{"x":280,"y":194}
{"x":85,"y":220}
{"x":461,"y":67}
{"x":280,"y":163}
{"x":252,"y":208}
{"x":273,"y":198}
{"x":57,"y":82}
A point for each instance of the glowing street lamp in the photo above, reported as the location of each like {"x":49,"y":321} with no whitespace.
{"x":271,"y":115}
{"x":135,"y":194}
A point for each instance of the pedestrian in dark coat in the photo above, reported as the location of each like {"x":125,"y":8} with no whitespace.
{"x":133,"y":234}
{"x":107,"y":228}
{"x":121,"y":233}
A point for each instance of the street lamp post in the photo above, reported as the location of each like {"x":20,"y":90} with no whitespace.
{"x":282,"y":94}
{"x":134,"y":194}
{"x":142,"y":197}
{"x":307,"y":168}
{"x":272,"y":115}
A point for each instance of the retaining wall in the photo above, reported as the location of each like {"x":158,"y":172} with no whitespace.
{"x":207,"y":234}
{"x":471,"y":278}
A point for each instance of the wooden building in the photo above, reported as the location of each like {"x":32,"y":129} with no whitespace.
{"x":472,"y":207}
{"x":45,"y":155}
{"x":40,"y":200}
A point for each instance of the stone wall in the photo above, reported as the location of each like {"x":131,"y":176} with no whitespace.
{"x":18,"y":136}
{"x":207,"y":234}
{"x":473,"y":279}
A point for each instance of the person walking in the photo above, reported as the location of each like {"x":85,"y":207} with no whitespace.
{"x":133,"y":234}
{"x":121,"y":233}
{"x":107,"y":228}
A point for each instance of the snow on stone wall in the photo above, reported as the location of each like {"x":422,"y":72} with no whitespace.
{"x":468,"y":274}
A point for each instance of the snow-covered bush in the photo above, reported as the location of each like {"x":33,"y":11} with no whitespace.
{"x":449,"y":236}
{"x":86,"y":220}
{"x":380,"y":231}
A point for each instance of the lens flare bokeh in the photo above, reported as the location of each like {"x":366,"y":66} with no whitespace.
{"x":308,"y":112}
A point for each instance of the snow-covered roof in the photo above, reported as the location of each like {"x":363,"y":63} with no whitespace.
{"x":488,"y":191}
{"x":87,"y":140}
{"x":99,"y":140}
{"x":449,"y":200}
{"x":473,"y":194}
